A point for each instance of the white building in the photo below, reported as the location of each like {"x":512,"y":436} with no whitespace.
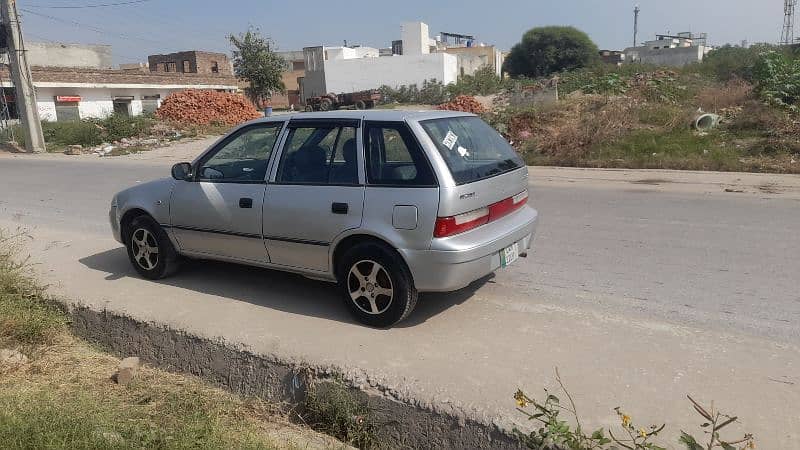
{"x":74,"y":81}
{"x":675,"y":51}
{"x":75,"y":93}
{"x":351,"y":69}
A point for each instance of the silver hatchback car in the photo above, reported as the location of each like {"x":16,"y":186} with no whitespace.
{"x":385,"y":203}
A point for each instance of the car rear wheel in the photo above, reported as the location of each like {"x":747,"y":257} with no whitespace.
{"x":150,"y":250}
{"x":376,"y":285}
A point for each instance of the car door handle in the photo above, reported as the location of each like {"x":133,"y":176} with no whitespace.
{"x":339,"y":208}
{"x":245,"y":203}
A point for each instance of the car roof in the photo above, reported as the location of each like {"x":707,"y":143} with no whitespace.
{"x":389,"y":115}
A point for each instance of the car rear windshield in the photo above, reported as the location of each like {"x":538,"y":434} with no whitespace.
{"x":472,"y":149}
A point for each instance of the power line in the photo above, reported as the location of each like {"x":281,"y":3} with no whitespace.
{"x":97,"y":5}
{"x":88,"y":27}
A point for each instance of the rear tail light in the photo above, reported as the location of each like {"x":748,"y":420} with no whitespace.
{"x":448,"y":226}
{"x":507,"y":206}
{"x":452,"y":225}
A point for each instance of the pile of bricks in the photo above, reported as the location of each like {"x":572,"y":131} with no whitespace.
{"x":463,"y":103}
{"x":206,"y":107}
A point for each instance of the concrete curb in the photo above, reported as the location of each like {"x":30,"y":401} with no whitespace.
{"x":247,"y":374}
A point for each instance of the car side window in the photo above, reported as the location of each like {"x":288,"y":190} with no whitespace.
{"x":394,"y":157}
{"x":319,"y":155}
{"x":243,"y":158}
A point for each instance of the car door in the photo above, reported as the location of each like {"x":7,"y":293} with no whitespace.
{"x":218,"y":211}
{"x":315,"y":192}
{"x":402,"y":193}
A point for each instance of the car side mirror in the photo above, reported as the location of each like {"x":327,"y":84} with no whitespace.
{"x":182,"y":171}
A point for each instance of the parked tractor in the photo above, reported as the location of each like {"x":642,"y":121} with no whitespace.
{"x":358,"y":100}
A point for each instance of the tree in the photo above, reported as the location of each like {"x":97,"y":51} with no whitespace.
{"x":255,"y":61}
{"x":544,"y":51}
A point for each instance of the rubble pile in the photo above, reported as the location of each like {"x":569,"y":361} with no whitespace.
{"x":206,"y":107}
{"x":463,"y":103}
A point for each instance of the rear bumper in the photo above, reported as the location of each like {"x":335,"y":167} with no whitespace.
{"x":454,"y":263}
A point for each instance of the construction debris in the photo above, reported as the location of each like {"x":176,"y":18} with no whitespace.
{"x":463,"y":103}
{"x":206,"y":107}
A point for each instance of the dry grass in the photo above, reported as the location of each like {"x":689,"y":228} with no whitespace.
{"x":64,"y":396}
{"x":732,"y":94}
{"x":573,"y":126}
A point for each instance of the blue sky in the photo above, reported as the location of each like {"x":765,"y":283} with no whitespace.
{"x":161,"y":26}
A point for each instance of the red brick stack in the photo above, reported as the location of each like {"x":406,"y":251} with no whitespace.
{"x":463,"y":103}
{"x":206,"y":107}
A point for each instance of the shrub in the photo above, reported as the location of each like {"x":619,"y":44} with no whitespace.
{"x":728,"y":62}
{"x":116,"y":127}
{"x":85,"y":132}
{"x":433,"y":92}
{"x":556,"y":431}
{"x":778,"y":80}
{"x":483,"y":82}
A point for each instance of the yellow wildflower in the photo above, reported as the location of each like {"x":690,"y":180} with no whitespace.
{"x":642,"y":432}
{"x":626,"y":420}
{"x":522,"y":401}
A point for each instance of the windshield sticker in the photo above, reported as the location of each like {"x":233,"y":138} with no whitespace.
{"x":450,"y":140}
{"x":463,"y":152}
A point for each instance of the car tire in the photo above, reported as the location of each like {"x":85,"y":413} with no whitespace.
{"x":360,"y":105}
{"x":150,"y":250}
{"x":376,"y":285}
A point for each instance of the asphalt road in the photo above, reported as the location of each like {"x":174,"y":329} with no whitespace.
{"x":643,"y":287}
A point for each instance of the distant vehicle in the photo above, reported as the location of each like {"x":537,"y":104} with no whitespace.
{"x":385,"y":203}
{"x":358,"y":100}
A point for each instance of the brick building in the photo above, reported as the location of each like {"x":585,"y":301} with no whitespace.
{"x":193,"y":61}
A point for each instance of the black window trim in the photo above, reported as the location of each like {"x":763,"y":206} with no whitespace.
{"x":315,"y":123}
{"x":402,"y":127}
{"x":216,"y":149}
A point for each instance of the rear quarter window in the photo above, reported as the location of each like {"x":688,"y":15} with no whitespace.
{"x":471,"y":148}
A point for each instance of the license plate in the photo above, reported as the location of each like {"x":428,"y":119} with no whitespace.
{"x":509,"y":254}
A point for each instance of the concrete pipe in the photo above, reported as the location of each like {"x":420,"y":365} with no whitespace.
{"x":705,"y":122}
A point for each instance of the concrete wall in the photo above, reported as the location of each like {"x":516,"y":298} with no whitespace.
{"x":47,"y":54}
{"x":470,"y":59}
{"x":332,"y":53}
{"x":350,"y":75}
{"x":416,"y":38}
{"x":670,"y":57}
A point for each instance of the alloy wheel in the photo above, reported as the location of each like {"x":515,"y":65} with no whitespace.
{"x":145,"y":248}
{"x":370,"y":287}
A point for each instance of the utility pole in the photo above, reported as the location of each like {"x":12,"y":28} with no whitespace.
{"x":787,"y":35}
{"x":21,"y":76}
{"x":636,"y":12}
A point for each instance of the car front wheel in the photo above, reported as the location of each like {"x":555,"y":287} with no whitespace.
{"x":150,"y":250}
{"x":376,"y":285}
